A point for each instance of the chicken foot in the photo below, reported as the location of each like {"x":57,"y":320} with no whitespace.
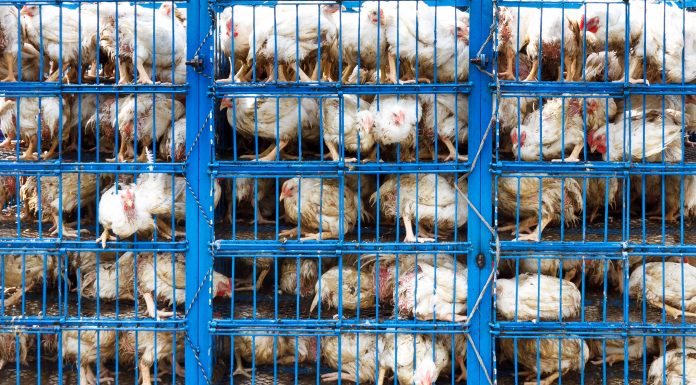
{"x":524,"y":225}
{"x":333,"y":377}
{"x":145,"y":373}
{"x":544,"y":381}
{"x":105,"y":236}
{"x":453,"y":154}
{"x":671,"y":310}
{"x":410,"y":237}
{"x":240,"y":369}
{"x":574,"y":155}
{"x":533,"y":72}
{"x":152,"y":309}
{"x":29,"y":153}
{"x":611,"y":359}
{"x":319,"y":236}
{"x":17,"y":296}
{"x":143,"y":76}
{"x":7,"y":143}
{"x":51,"y":151}
{"x":535,"y":235}
{"x":248,"y":284}
{"x":272,"y":151}
{"x":509,"y":73}
{"x":301,"y":73}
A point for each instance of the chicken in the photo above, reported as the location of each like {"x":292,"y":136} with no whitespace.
{"x":556,"y":128}
{"x":433,"y":289}
{"x":567,"y":354}
{"x":554,"y":34}
{"x":304,"y":346}
{"x":166,"y":148}
{"x":289,"y":282}
{"x":452,"y":45}
{"x":676,"y":367}
{"x":417,"y":358}
{"x":363,"y":39}
{"x":9,"y":46}
{"x":136,"y":36}
{"x":680,"y":49}
{"x":22,"y":272}
{"x":64,"y":197}
{"x":601,"y":66}
{"x":271,"y":118}
{"x":56,"y":31}
{"x":545,"y":199}
{"x":648,"y":55}
{"x":396,"y":122}
{"x":601,"y":195}
{"x":612,"y":351}
{"x":113,"y":281}
{"x":358,"y":357}
{"x":671,"y":294}
{"x":313,"y":203}
{"x":460,"y":341}
{"x":141,"y":128}
{"x":647,"y":140}
{"x":358,"y":289}
{"x":512,"y":35}
{"x":236,"y":32}
{"x":10,"y":343}
{"x":89,"y":346}
{"x":151,"y":347}
{"x":551,"y":266}
{"x":534,"y":297}
{"x":423,"y":199}
{"x":260,"y":350}
{"x":251,"y":191}
{"x":8,"y":190}
{"x":49,"y":113}
{"x":296,"y":36}
{"x":164,"y":277}
{"x":102,"y":124}
{"x":512,"y":112}
{"x":411,"y":36}
{"x":449,"y":117}
{"x":247,"y":283}
{"x":366,"y":185}
{"x":357,"y":126}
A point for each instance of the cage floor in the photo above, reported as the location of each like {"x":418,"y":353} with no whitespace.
{"x":593,"y":374}
{"x":48,"y":374}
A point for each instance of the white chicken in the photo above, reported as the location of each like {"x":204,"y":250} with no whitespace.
{"x":136,"y":36}
{"x":363,"y":39}
{"x":396,"y":122}
{"x":121,"y":213}
{"x":413,"y":358}
{"x":452,"y":51}
{"x":9,"y":45}
{"x":537,"y":297}
{"x":433,"y":289}
{"x":296,"y":36}
{"x":554,"y":34}
{"x":271,"y":118}
{"x":250,"y":191}
{"x":662,"y":286}
{"x":547,"y":199}
{"x":358,"y":289}
{"x":260,"y":350}
{"x":512,"y":33}
{"x":113,"y":281}
{"x":554,"y":354}
{"x":10,"y":343}
{"x":288,"y":281}
{"x":676,"y":367}
{"x":153,"y":120}
{"x":433,"y":201}
{"x":357,"y":127}
{"x":238,"y":23}
{"x":49,"y":113}
{"x":151,"y":347}
{"x":104,"y":118}
{"x":164,"y":277}
{"x":612,"y":351}
{"x":87,"y":346}
{"x":21,"y":273}
{"x":449,"y":117}
{"x":314,"y":204}
{"x":178,"y":149}
{"x":357,"y":357}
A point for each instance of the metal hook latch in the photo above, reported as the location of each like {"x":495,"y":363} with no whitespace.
{"x":196,"y":62}
{"x":480,"y":60}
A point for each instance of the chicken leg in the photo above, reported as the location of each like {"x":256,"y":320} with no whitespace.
{"x":240,"y":369}
{"x":533,"y":72}
{"x":462,"y":367}
{"x":574,"y":155}
{"x":152,"y":309}
{"x":509,"y":73}
{"x":123,"y":74}
{"x":611,"y":359}
{"x":29,"y":153}
{"x":393,"y":76}
{"x":145,"y":373}
{"x":247,"y":284}
{"x":333,"y":377}
{"x":544,"y":381}
{"x":10,"y":62}
{"x":7,"y":143}
{"x":143,"y":77}
{"x":274,"y":150}
{"x":671,"y":310}
{"x":319,"y":236}
{"x":52,"y":151}
{"x":410,"y":237}
{"x":17,"y":296}
{"x":105,"y":236}
{"x":288,"y":233}
{"x":535,"y":235}
{"x":452,"y":151}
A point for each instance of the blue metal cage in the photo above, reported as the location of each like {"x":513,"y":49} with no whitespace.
{"x":301,"y":192}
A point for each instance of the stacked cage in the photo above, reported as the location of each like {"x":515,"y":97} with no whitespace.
{"x":93,"y":192}
{"x":343,"y":150}
{"x":594,"y":192}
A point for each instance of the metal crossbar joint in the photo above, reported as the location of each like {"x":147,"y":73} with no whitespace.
{"x":196,"y":62}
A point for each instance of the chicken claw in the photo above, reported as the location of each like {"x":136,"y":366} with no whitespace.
{"x":533,"y":236}
{"x":333,"y":377}
{"x":240,"y":368}
{"x":462,"y":366}
{"x":611,"y":359}
{"x":105,"y":236}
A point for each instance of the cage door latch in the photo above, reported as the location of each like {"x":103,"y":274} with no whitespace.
{"x":196,"y":62}
{"x":480,"y":60}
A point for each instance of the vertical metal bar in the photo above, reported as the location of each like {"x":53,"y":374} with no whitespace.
{"x":198,"y":362}
{"x":480,"y":188}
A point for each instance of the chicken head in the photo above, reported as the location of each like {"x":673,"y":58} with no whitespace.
{"x":289,"y":189}
{"x":29,"y":10}
{"x":591,"y":24}
{"x":128,"y":200}
{"x":222,"y":286}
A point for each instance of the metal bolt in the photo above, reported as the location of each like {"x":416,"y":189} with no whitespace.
{"x":480,"y":261}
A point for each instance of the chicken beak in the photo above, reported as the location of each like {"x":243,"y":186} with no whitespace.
{"x":25,"y":11}
{"x":225,"y":103}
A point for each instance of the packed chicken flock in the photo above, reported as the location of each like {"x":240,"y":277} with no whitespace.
{"x":382,"y":43}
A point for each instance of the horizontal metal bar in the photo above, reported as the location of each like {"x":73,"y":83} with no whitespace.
{"x":221,"y":326}
{"x":578,"y":89}
{"x":593,"y":169}
{"x":226,"y":169}
{"x":34,"y":323}
{"x":594,"y":247}
{"x":55,"y":167}
{"x":328,"y":89}
{"x":9,"y":245}
{"x":222,"y":247}
{"x":592,"y":329}
{"x":66,"y":2}
{"x":40,"y":89}
{"x":458,"y":3}
{"x":569,"y":4}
